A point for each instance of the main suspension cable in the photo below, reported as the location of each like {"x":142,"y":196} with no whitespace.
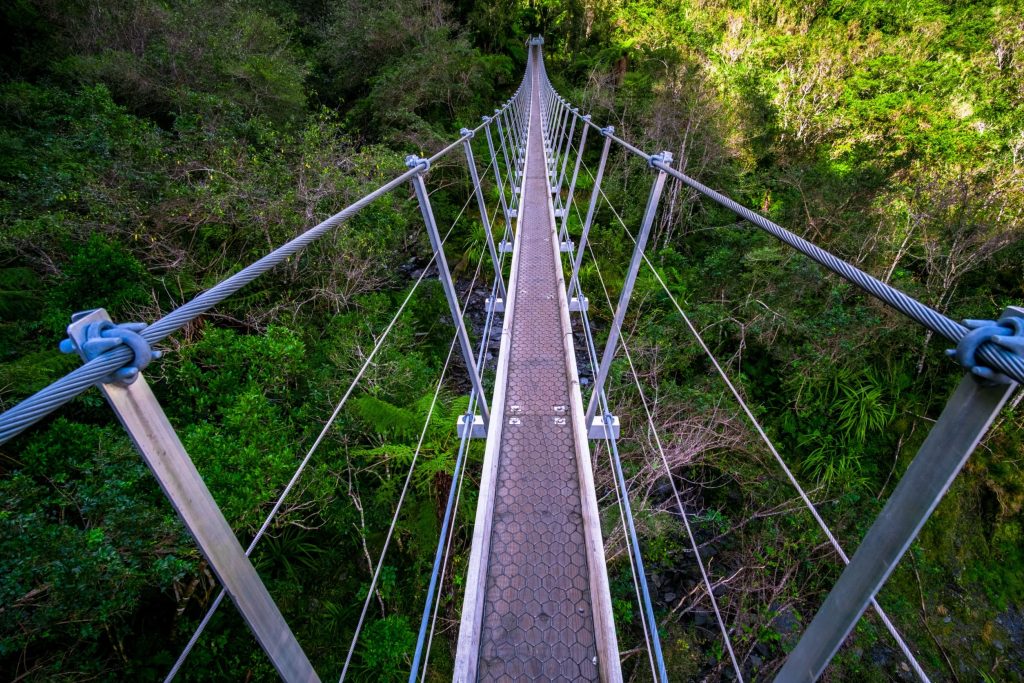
{"x":316,"y":444}
{"x":904,"y":648}
{"x":594,"y":361}
{"x":675,"y":491}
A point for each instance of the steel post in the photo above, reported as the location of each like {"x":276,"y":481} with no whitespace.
{"x":563,"y":137}
{"x":961,"y":426}
{"x":574,"y":285}
{"x":627,"y":288}
{"x":564,"y":230}
{"x":565,"y":157}
{"x":475,"y":177}
{"x":511,"y":173}
{"x":142,"y":417}
{"x":497,"y":179}
{"x":445,"y":276}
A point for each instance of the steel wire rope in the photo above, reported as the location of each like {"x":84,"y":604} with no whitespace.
{"x":901,"y":643}
{"x":603,"y":398}
{"x":675,"y":491}
{"x":998,"y":358}
{"x":646,"y":608}
{"x":35,"y":407}
{"x":316,"y":444}
{"x":462,"y":475}
{"x":454,"y":495}
{"x":398,"y":509}
{"x":408,"y":479}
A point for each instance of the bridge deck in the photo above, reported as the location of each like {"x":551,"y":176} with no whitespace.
{"x":537,"y":604}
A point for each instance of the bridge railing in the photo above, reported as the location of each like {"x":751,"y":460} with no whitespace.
{"x":991,"y":353}
{"x":115,"y":357}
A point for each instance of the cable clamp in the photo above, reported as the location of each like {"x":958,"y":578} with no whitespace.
{"x":412,"y":161}
{"x":102,"y":336}
{"x":660,"y":157}
{"x":1007,"y":333}
{"x":485,"y":119}
{"x":607,"y":130}
{"x":466,"y":133}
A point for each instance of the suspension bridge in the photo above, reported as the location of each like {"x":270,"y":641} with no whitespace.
{"x":537,"y":604}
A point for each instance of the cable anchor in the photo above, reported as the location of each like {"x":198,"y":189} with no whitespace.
{"x":1007,"y":333}
{"x":412,"y":161}
{"x":102,"y":336}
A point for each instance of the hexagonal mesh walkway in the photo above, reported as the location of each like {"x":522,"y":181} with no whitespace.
{"x":538,"y":617}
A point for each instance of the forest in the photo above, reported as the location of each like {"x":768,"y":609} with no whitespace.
{"x":151,"y":148}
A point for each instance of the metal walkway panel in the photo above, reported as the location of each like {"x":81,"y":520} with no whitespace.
{"x":537,"y":604}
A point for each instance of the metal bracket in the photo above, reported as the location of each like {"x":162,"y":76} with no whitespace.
{"x":505,"y":247}
{"x":478,"y":429}
{"x":960,"y":428}
{"x":154,"y":437}
{"x":566,"y":246}
{"x":599,"y":430}
{"x":498,"y":304}
{"x":575,"y":307}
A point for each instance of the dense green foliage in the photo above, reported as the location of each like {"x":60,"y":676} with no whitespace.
{"x":149,"y":148}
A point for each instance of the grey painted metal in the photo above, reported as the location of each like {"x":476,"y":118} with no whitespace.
{"x":997,"y":358}
{"x":961,"y":426}
{"x":559,"y":135}
{"x":484,"y":219}
{"x":510,"y":169}
{"x":142,"y":417}
{"x":445,"y":276}
{"x":565,"y":160}
{"x":562,"y":144}
{"x":574,"y":284}
{"x":511,"y":127}
{"x":627,"y":288}
{"x":34,"y":408}
{"x":564,"y":230}
{"x":501,"y":185}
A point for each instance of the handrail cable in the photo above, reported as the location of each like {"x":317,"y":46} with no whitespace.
{"x":405,"y":487}
{"x":675,"y":491}
{"x":995,"y":356}
{"x":771,"y":447}
{"x":305,"y":461}
{"x":592,"y":355}
{"x":35,"y":407}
